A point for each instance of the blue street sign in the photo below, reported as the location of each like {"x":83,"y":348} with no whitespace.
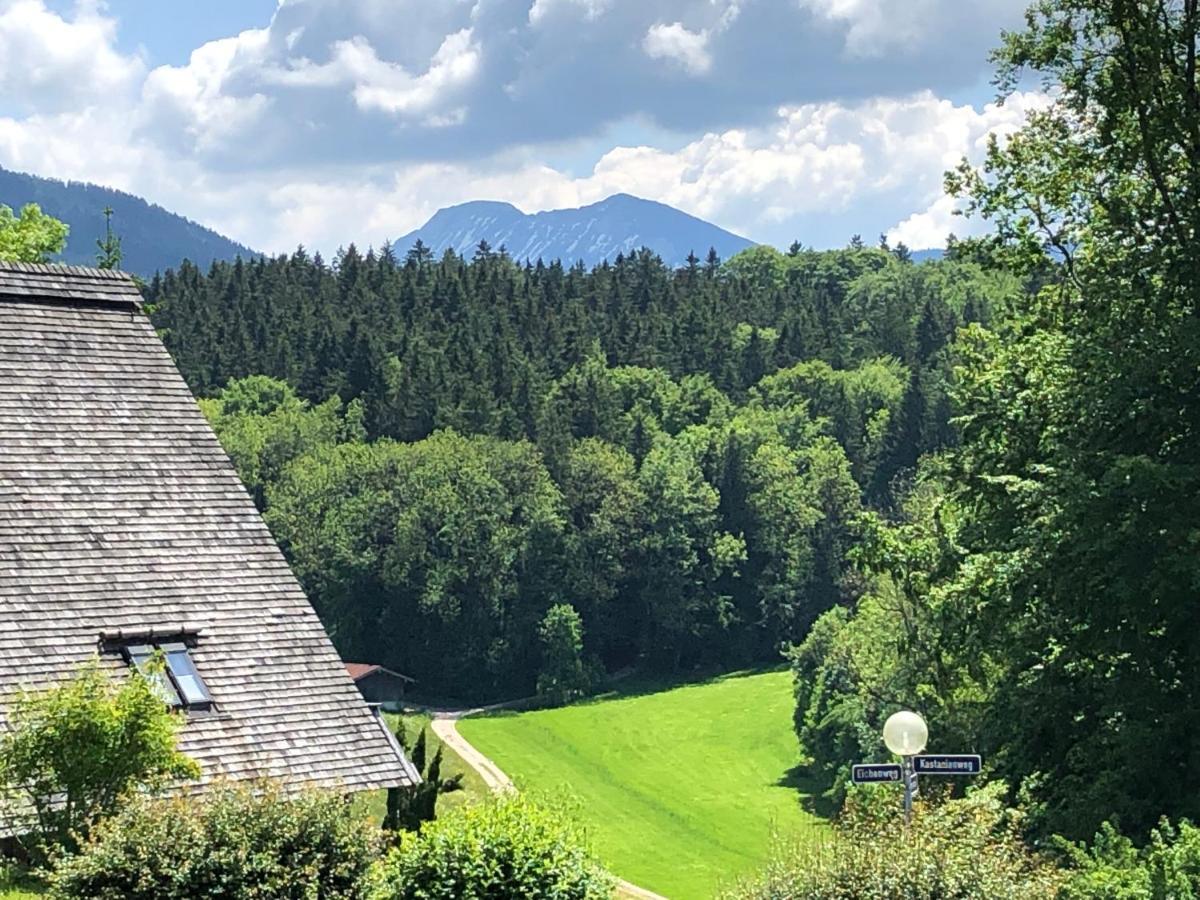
{"x":948,"y":764}
{"x":875,"y":773}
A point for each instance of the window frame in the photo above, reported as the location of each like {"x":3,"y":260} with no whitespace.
{"x":191,"y":695}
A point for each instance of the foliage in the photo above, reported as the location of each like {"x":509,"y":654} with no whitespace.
{"x":232,"y":842}
{"x":967,"y":849}
{"x":1042,"y":608}
{"x":263,"y":426}
{"x":31,"y":236}
{"x":1112,"y":868}
{"x":563,"y":676}
{"x":411,"y":549}
{"x":73,"y":751}
{"x":477,"y":538}
{"x":509,"y":847}
{"x":680,"y":786}
{"x":1079,"y":465}
{"x":472,"y":787}
{"x":408,"y":807}
{"x":108,"y":250}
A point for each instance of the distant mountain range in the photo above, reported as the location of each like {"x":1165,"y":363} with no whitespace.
{"x":152,"y":239}
{"x":591,"y":234}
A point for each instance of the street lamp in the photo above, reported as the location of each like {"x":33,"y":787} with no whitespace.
{"x":905,"y":734}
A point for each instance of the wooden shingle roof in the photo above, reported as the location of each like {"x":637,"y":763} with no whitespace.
{"x":121,"y":514}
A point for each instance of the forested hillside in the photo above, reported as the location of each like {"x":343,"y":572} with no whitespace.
{"x":152,"y":238}
{"x":452,"y":447}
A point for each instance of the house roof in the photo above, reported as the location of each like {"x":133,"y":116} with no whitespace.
{"x":120,"y":514}
{"x":359,"y":671}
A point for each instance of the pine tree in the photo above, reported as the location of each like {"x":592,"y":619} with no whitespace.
{"x":108,"y":255}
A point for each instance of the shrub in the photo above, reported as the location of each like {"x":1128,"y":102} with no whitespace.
{"x":507,"y":848}
{"x":409,"y":806}
{"x":563,"y":677}
{"x":246,"y":842}
{"x":958,"y":850}
{"x":1167,"y":868}
{"x":74,"y":749}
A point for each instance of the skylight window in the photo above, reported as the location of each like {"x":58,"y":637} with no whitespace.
{"x":177,"y":682}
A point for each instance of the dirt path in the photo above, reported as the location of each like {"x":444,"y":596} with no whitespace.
{"x":446,"y":728}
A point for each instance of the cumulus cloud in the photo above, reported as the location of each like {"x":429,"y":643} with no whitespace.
{"x":470,"y":78}
{"x":816,"y":162}
{"x":876,"y":28}
{"x":189,"y":104}
{"x":376,"y":84}
{"x":674,"y":42}
{"x":49,"y":62}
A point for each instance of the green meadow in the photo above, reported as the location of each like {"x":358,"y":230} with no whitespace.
{"x":681,"y":789}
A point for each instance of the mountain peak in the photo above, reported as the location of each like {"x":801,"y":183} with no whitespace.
{"x":621,"y":223}
{"x":497,"y":206}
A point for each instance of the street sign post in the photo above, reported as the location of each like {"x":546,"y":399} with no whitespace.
{"x":905,"y":734}
{"x":948,"y":764}
{"x":881,"y":773}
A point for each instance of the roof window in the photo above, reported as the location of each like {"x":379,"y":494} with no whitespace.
{"x":177,"y":682}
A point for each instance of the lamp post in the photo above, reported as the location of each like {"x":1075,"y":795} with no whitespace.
{"x":905,"y":734}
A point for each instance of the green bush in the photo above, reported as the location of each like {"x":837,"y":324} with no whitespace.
{"x":73,"y":750}
{"x":246,"y":842}
{"x":503,"y":850}
{"x":957,"y":850}
{"x":1167,"y":868}
{"x":563,"y":677}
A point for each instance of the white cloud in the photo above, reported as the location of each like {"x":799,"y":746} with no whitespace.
{"x":931,"y":227}
{"x":48,"y":62}
{"x":380,"y":85}
{"x":192,"y":100}
{"x":674,"y":42}
{"x":817,"y":161}
{"x":391,"y":89}
{"x":591,"y":9}
{"x":873,"y":28}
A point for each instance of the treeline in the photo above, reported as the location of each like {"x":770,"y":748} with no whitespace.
{"x":478,"y":346}
{"x":446,"y":450}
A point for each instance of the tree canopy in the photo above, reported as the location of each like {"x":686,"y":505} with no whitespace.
{"x":31,"y":235}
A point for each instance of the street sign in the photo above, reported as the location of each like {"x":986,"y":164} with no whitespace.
{"x":875,"y":773}
{"x":948,"y":764}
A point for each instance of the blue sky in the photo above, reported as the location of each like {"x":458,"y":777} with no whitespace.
{"x":328,"y":121}
{"x":167,"y":31}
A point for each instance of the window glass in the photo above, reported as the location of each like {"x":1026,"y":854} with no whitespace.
{"x":140,"y":656}
{"x":185,"y":675}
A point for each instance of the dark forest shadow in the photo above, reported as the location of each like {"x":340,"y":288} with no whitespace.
{"x":811,"y":791}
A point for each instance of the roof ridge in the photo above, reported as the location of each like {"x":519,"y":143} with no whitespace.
{"x":59,"y":283}
{"x":29,"y":268}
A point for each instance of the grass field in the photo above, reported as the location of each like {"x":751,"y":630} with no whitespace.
{"x":14,"y":886}
{"x":681,"y":789}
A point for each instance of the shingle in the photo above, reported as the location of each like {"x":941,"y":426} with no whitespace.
{"x":120,"y":511}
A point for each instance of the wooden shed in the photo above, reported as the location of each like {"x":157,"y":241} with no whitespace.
{"x":379,"y":684}
{"x":124,"y":529}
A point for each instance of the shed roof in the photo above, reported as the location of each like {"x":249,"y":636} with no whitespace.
{"x":121,"y":514}
{"x":359,"y":671}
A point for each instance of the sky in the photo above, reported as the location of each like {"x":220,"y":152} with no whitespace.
{"x":325,"y":122}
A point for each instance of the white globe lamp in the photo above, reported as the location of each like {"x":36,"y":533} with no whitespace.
{"x":905,"y":733}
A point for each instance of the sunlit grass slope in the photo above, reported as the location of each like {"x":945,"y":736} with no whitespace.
{"x":681,"y":789}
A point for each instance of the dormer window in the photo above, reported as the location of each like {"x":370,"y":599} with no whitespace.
{"x":178,"y":682}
